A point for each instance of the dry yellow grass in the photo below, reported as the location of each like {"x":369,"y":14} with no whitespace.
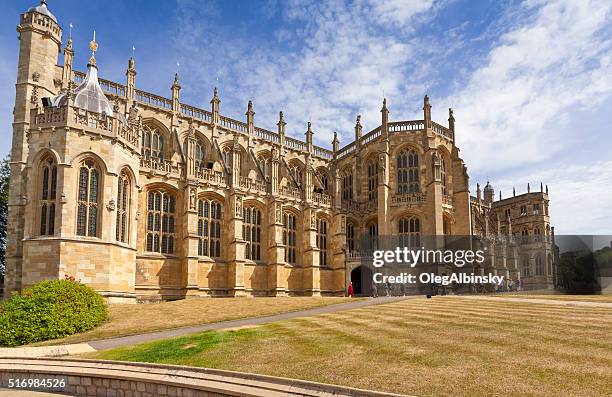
{"x":437,"y":347}
{"x":128,"y":319}
{"x":581,"y":298}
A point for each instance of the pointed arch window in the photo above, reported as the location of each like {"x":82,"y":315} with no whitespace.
{"x":290,"y":237}
{"x":350,"y":237}
{"x":324,"y":182}
{"x":251,"y":232}
{"x":322,"y":243}
{"x":209,"y":228}
{"x":408,"y":172}
{"x":409,"y":230}
{"x":373,"y":181}
{"x":540,"y":269}
{"x":88,"y":199}
{"x":526,"y":267}
{"x":152,"y":144}
{"x":122,"y":230}
{"x":199,"y":155}
{"x":48,"y":184}
{"x":347,"y":186}
{"x":160,"y":222}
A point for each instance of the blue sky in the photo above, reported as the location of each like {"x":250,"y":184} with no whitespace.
{"x":530,"y":82}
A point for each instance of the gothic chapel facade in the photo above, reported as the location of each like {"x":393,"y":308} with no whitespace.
{"x":145,"y":197}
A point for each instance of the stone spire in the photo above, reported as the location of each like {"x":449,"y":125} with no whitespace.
{"x":335,"y":143}
{"x":68,"y":58}
{"x":93,"y":46}
{"x":215,"y":105}
{"x":427,"y":112}
{"x":513,"y":191}
{"x":385,"y":119}
{"x":250,"y":113}
{"x":451,"y":120}
{"x":528,"y":188}
{"x":281,"y":124}
{"x":309,"y":135}
{"x":176,"y":89}
{"x":358,"y":129}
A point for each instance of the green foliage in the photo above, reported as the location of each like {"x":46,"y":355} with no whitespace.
{"x":5,"y":174}
{"x":51,"y":309}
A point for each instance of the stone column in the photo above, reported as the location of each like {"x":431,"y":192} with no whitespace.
{"x":236,"y":246}
{"x":277,"y":284}
{"x":311,"y":280}
{"x":190,"y":242}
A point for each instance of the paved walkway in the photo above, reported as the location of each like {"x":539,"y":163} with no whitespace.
{"x":111,"y":343}
{"x":536,"y":300}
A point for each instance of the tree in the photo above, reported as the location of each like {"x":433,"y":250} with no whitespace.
{"x":5,"y":175}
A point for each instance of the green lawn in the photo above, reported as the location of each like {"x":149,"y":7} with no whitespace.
{"x":437,"y":347}
{"x":127,"y":319}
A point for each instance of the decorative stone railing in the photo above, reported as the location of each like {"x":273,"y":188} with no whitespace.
{"x":266,"y":135}
{"x":153,"y":100}
{"x":93,"y":120}
{"x":408,"y":198}
{"x":291,"y":192}
{"x":51,"y":115}
{"x":345,"y":151}
{"x":250,"y":184}
{"x":163,"y":166}
{"x":196,"y":113}
{"x":211,"y":176}
{"x":42,"y":21}
{"x":402,"y":126}
{"x":441,"y":130}
{"x":370,"y":136}
{"x":322,"y":152}
{"x":363,"y":207}
{"x":321,"y":198}
{"x":232,"y":124}
{"x":295,"y":144}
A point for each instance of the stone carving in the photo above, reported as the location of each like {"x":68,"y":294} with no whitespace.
{"x":279,"y":213}
{"x":111,"y":205}
{"x":192,"y":198}
{"x":238,"y":207}
{"x":34,"y":98}
{"x":313,"y":220}
{"x":35,"y":77}
{"x":133,"y":116}
{"x":343,"y":224}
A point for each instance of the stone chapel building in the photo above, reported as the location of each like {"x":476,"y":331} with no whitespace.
{"x":146,"y":197}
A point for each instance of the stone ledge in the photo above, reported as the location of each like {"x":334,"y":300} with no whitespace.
{"x":125,"y":379}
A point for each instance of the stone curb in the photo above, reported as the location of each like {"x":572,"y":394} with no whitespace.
{"x":116,"y":378}
{"x":46,"y":351}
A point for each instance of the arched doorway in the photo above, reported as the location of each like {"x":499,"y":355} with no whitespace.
{"x":361,"y":277}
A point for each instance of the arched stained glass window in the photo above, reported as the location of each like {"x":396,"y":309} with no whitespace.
{"x":290,"y":237}
{"x":408,"y":172}
{"x":251,"y":232}
{"x":209,"y":228}
{"x":409,"y":230}
{"x":160,"y":222}
{"x":123,"y":207}
{"x":48,"y":197}
{"x":88,"y":199}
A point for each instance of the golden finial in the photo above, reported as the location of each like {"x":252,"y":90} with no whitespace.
{"x":93,"y":46}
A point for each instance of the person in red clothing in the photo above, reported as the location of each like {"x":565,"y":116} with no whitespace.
{"x":350,"y":290}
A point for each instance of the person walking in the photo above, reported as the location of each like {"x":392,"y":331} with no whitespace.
{"x":374,"y":290}
{"x":350,"y":290}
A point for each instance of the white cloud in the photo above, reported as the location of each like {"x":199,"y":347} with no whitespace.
{"x":554,"y":64}
{"x":337,"y":63}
